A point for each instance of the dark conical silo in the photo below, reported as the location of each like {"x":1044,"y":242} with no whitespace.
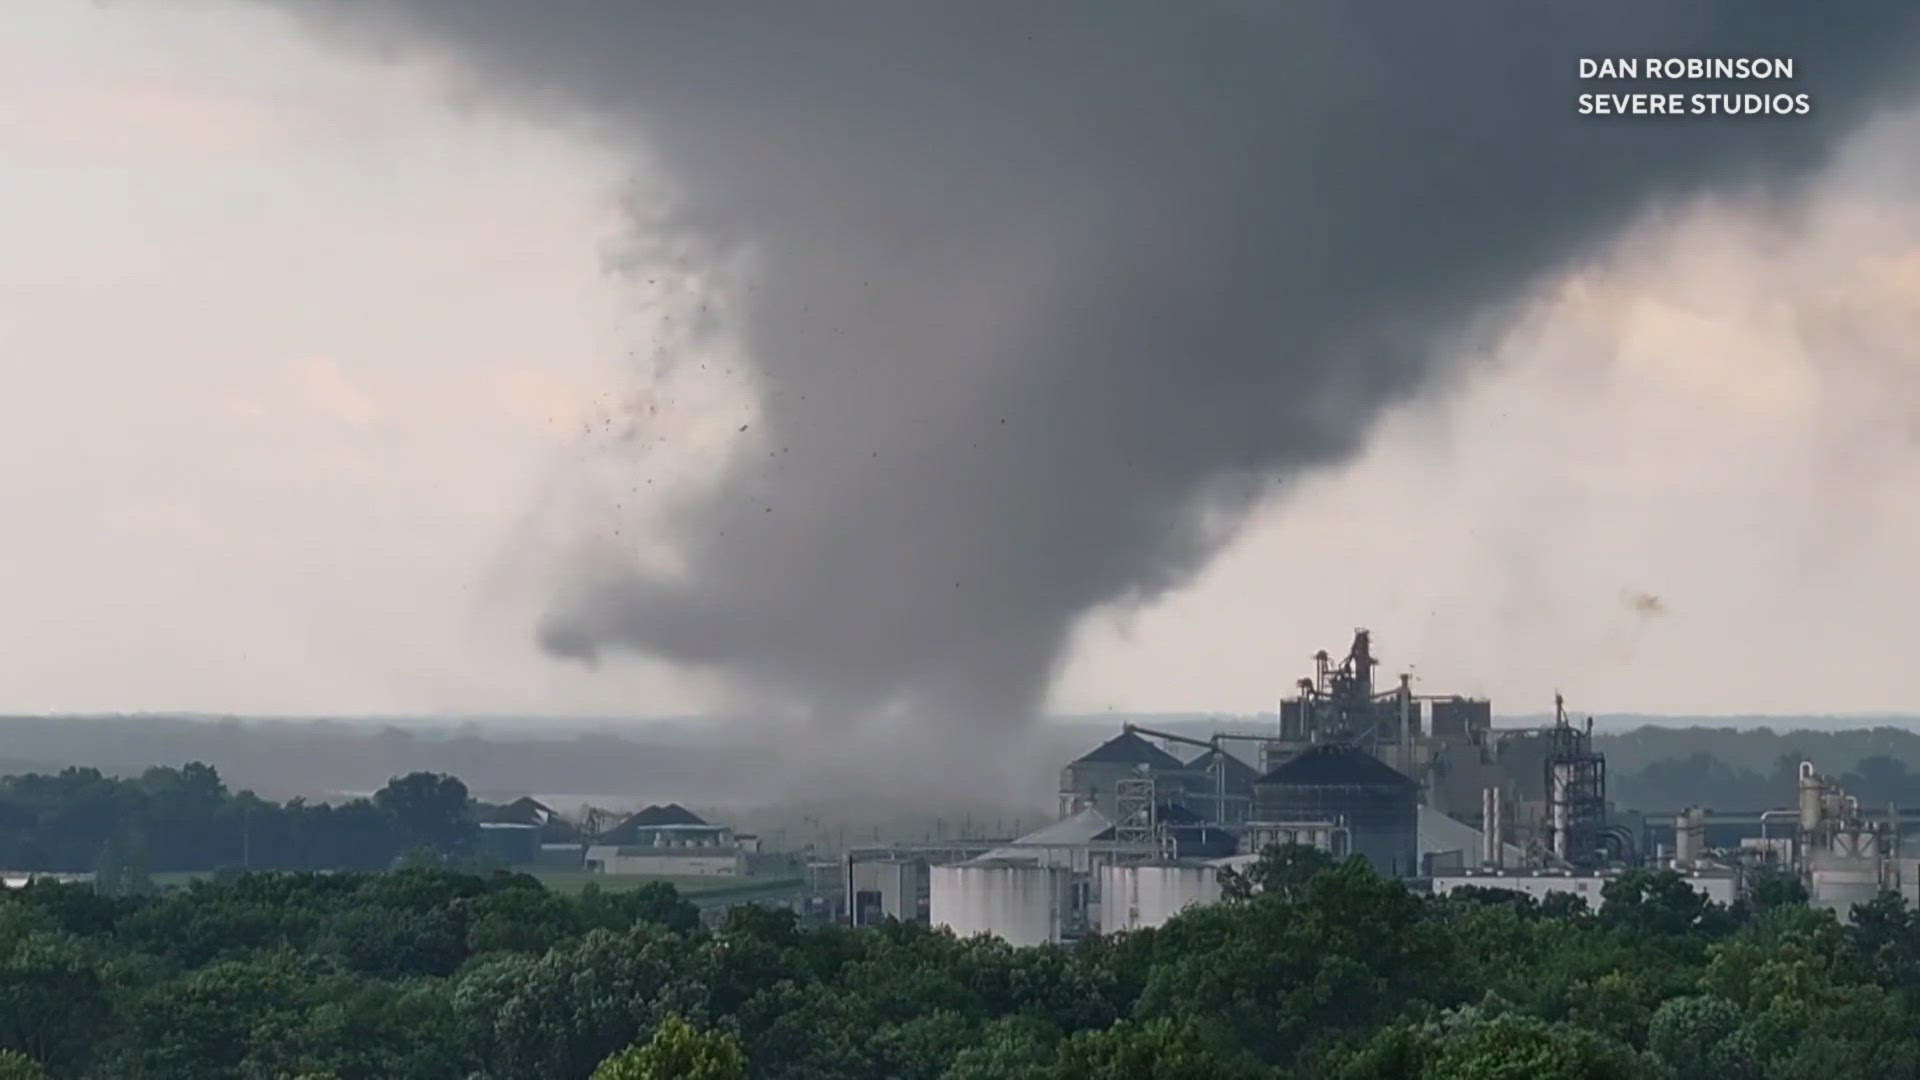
{"x":1379,"y":805}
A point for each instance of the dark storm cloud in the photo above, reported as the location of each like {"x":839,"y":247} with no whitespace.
{"x":1046,"y":293}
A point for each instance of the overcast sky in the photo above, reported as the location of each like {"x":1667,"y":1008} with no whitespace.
{"x":310,"y":369}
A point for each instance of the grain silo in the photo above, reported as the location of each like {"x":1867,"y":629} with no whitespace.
{"x":1343,"y":784}
{"x":1023,"y":903}
{"x":1141,"y":895}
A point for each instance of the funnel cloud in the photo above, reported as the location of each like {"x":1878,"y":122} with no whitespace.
{"x":1043,"y":298}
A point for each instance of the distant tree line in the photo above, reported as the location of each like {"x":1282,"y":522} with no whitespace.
{"x":185,"y":819}
{"x":1702,"y":779}
{"x":1308,"y":969}
{"x":1757,"y":749}
{"x":283,"y":757}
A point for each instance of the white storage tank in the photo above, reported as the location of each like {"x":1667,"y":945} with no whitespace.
{"x":1838,"y":888}
{"x":1847,"y":871}
{"x":1022,"y":903}
{"x":1148,"y":894}
{"x":1906,"y":880}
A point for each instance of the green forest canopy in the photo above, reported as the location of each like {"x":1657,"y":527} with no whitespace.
{"x":1314,"y":969}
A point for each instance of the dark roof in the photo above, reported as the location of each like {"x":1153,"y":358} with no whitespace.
{"x":1238,"y":771}
{"x":670,"y":814}
{"x":1331,"y":763}
{"x":524,"y":810}
{"x":1127,"y":748}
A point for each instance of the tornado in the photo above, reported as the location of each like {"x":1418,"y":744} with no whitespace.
{"x":1045,"y":297}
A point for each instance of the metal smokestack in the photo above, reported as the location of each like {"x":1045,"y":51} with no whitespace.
{"x":1499,"y":832}
{"x":1486,"y":826}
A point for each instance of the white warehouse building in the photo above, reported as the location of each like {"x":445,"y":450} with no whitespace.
{"x":1721,"y":888}
{"x":668,"y":841}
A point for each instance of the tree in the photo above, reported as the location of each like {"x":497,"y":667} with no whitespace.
{"x":396,"y":943}
{"x":1514,"y":1047}
{"x":53,"y":1002}
{"x":1471,"y":1045}
{"x":1770,"y":889}
{"x":17,"y":1066}
{"x":1280,"y":976}
{"x":1659,"y":903}
{"x":678,"y":1051}
{"x":654,"y":902}
{"x":1523,"y":903}
{"x":1701,"y":1036}
{"x":1012,"y":1048}
{"x":1162,"y":1049}
{"x":369,"y":1028}
{"x":558,"y":1015}
{"x":521,"y":918}
{"x":1880,"y":779}
{"x":1282,"y":871}
{"x":216,"y":1022}
{"x":428,"y":808}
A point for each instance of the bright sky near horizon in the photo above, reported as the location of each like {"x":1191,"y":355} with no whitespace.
{"x":309,"y":365}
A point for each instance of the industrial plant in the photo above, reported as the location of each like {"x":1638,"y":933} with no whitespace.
{"x":1421,"y":786}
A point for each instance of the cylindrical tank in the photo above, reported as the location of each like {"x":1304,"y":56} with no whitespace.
{"x":1559,"y":806}
{"x":1906,"y":879}
{"x":1148,"y":894}
{"x":1023,"y":903}
{"x":1332,"y":782}
{"x":1812,"y":796}
{"x":1838,"y":888}
{"x":1683,"y":853}
{"x":1690,"y":836}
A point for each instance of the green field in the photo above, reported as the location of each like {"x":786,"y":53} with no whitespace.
{"x":572,"y":881}
{"x":707,"y":892}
